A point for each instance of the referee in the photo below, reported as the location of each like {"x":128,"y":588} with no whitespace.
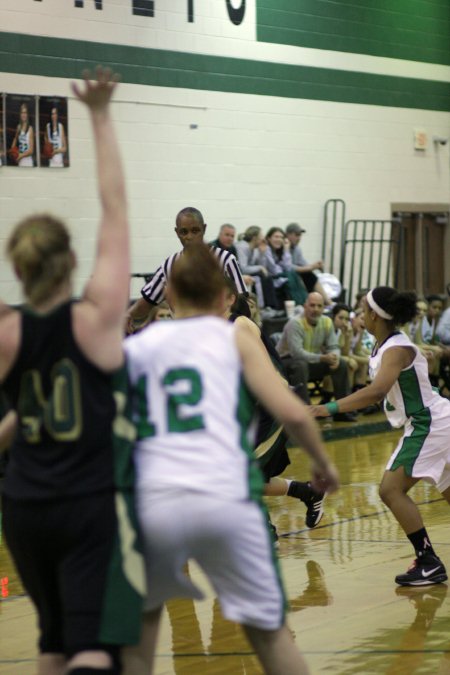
{"x":190,"y":229}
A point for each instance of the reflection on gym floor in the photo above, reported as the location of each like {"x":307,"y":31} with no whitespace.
{"x":347,"y":614}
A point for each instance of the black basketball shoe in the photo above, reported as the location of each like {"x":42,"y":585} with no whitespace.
{"x":425,"y":570}
{"x":314,"y":508}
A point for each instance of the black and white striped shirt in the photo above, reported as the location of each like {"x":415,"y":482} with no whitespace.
{"x":153,"y":291}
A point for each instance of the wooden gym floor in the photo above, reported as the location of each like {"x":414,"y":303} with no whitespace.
{"x":347,"y":614}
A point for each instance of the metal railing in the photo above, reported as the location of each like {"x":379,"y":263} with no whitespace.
{"x":370,"y":255}
{"x":141,"y":275}
{"x":333,"y":235}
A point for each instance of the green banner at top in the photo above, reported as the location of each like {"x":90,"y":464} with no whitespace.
{"x":415,"y":30}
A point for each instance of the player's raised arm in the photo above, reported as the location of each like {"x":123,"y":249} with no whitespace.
{"x":108,"y":288}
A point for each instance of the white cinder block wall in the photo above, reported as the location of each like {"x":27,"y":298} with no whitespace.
{"x":241,"y":157}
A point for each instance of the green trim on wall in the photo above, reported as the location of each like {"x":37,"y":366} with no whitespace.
{"x":415,"y":30}
{"x":54,"y":57}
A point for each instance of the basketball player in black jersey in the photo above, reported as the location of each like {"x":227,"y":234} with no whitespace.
{"x":271,"y":439}
{"x":67,"y":499}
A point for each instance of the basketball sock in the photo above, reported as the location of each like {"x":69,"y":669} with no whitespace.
{"x":299,"y":490}
{"x":421,"y":542}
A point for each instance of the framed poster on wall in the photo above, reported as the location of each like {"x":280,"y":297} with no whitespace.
{"x":20,"y":118}
{"x":53,"y":132}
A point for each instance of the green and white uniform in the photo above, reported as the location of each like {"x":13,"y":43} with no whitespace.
{"x":424,"y":449}
{"x":199,"y":485}
{"x":23,"y":144}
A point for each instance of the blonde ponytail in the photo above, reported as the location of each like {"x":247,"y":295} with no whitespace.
{"x":39,"y":249}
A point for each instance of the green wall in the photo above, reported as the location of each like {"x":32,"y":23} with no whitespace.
{"x":56,"y":57}
{"x":416,"y":30}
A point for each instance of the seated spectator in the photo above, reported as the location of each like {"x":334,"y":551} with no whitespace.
{"x":432,"y":352}
{"x":414,"y":328}
{"x":354,"y":354}
{"x":441,"y":336}
{"x":225,"y":239}
{"x":359,"y":298}
{"x":159,"y":312}
{"x":362,"y":341}
{"x":255,"y":313}
{"x":310,"y":350}
{"x":251,"y":255}
{"x":302,"y":266}
{"x":352,"y":351}
{"x":443,"y":328}
{"x":287,"y":282}
{"x":431,"y":319}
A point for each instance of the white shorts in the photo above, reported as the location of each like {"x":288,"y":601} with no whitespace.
{"x":230,"y":541}
{"x":424,"y":452}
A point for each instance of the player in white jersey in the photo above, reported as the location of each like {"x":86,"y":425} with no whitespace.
{"x":400,"y":377}
{"x":24,"y":139}
{"x":56,"y":136}
{"x":197,"y":476}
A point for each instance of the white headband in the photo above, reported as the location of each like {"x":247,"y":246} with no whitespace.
{"x":376,"y":307}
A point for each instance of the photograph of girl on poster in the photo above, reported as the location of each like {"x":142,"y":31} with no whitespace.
{"x":20,"y":139}
{"x":54,"y":132}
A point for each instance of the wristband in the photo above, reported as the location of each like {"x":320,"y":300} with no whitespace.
{"x":332,"y":407}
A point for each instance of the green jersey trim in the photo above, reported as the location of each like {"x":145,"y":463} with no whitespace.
{"x":413,"y":444}
{"x":125,"y":583}
{"x":410,"y":390}
{"x":123,"y":431}
{"x":245,"y":414}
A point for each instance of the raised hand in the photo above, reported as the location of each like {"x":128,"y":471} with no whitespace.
{"x":97,"y":92}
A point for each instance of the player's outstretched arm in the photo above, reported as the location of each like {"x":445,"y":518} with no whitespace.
{"x":108,"y":288}
{"x":393,"y":362}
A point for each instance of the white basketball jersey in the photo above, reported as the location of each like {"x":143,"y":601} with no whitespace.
{"x":55,"y":138}
{"x":412,"y":392}
{"x":193,"y":413}
{"x":23,"y":143}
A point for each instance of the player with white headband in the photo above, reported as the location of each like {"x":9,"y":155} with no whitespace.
{"x":399,"y":375}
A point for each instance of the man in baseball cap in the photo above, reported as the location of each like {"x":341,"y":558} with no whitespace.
{"x":294,"y":228}
{"x":306,"y":270}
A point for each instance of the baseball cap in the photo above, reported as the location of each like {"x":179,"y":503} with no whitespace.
{"x":294,"y":228}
